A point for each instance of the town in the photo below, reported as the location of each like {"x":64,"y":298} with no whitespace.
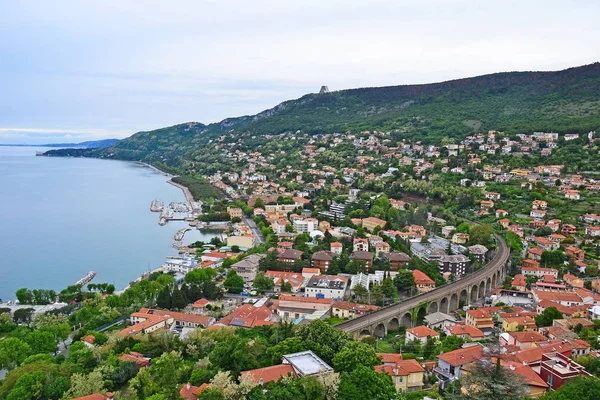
{"x":358,"y":263}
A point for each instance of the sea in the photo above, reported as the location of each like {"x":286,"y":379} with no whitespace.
{"x":63,"y":217}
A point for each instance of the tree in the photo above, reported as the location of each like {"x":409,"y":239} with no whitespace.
{"x":356,"y":266}
{"x":178,"y":300}
{"x":481,"y":234}
{"x":547,"y":316}
{"x":377,"y":294}
{"x":24,"y":296}
{"x":323,"y":339}
{"x":41,"y":342}
{"x":364,"y":383}
{"x":360,"y":291}
{"x":485,"y":381}
{"x":199,"y":275}
{"x":404,"y":280}
{"x":23,"y":314}
{"x":262,"y":283}
{"x":389,"y":290}
{"x":576,"y":389}
{"x":354,"y":354}
{"x":167,"y":373}
{"x":288,"y":346}
{"x":163,"y":300}
{"x":233,"y":283}
{"x":83,"y":385}
{"x":12,"y":352}
{"x":286,"y":287}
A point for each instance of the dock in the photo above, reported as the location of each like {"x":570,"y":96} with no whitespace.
{"x":157,"y":206}
{"x":86,"y":279}
{"x":180,"y":233}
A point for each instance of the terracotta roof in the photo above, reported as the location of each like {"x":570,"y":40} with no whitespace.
{"x":248,"y":316}
{"x":135,"y":357}
{"x":528,"y":374}
{"x":388,"y":358}
{"x":557,"y":296}
{"x":95,"y":396}
{"x":347,"y":305}
{"x":90,"y":339}
{"x":422,"y":331}
{"x":421,"y":278}
{"x":460,"y":357}
{"x":479,"y":313}
{"x":470,"y":330}
{"x":178,"y":316}
{"x":530,"y":356}
{"x":311,"y":271}
{"x":401,"y":368}
{"x":294,"y":278}
{"x":269,"y":374}
{"x":200,"y":303}
{"x":527,"y":337}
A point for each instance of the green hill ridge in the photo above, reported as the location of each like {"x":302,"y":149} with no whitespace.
{"x":513,"y":102}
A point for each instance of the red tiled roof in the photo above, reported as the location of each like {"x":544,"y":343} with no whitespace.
{"x":269,"y":374}
{"x":421,"y":278}
{"x":95,"y":396}
{"x":527,"y":337}
{"x":470,"y":330}
{"x":422,"y":331}
{"x":388,"y":358}
{"x":462,"y":356}
{"x":347,"y":305}
{"x":403,"y":368}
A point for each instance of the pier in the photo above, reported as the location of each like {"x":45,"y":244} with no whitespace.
{"x":180,"y":233}
{"x":157,"y":206}
{"x":86,"y":279}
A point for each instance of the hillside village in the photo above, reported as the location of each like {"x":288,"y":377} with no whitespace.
{"x":321,"y":229}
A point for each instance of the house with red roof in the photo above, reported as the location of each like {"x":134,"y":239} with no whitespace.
{"x":421,"y":333}
{"x":407,"y":375}
{"x":465,"y":331}
{"x":248,"y":316}
{"x":422,"y":281}
{"x":450,"y":364}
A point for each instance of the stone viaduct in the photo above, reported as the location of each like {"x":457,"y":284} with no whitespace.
{"x":469,"y":289}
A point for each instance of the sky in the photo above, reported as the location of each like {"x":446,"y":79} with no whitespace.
{"x":82,"y":70}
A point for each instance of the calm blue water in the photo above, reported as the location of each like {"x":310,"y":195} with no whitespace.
{"x":62,"y":217}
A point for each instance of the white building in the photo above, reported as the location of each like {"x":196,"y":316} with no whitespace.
{"x":326,"y":286}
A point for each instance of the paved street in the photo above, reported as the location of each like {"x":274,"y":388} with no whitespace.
{"x":257,"y":233}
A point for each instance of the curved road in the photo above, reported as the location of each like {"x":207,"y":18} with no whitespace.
{"x":398,"y":309}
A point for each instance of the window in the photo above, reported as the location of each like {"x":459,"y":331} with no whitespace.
{"x":400,"y":379}
{"x":550,"y":379}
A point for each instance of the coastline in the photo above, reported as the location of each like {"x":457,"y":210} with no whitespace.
{"x":130,"y":275}
{"x":186,"y":192}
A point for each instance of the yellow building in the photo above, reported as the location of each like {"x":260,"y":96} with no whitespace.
{"x":234,"y":212}
{"x":480,"y":319}
{"x":407,"y":375}
{"x":517,"y":324}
